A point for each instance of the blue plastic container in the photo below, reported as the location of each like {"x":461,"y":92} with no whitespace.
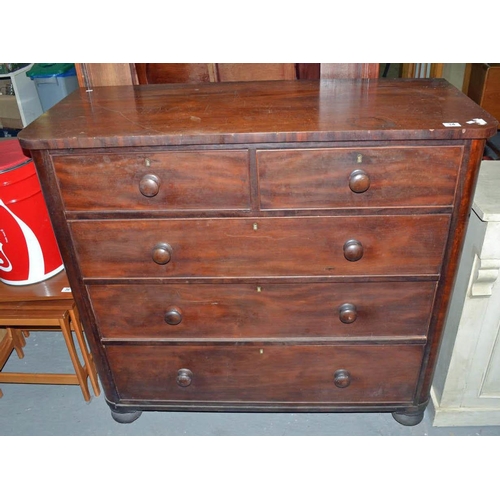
{"x":53,"y":81}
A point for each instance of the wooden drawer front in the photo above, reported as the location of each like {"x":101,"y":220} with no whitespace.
{"x":200,"y":311}
{"x":306,"y":246}
{"x":268,"y":373}
{"x":390,"y":177}
{"x":183,"y":181}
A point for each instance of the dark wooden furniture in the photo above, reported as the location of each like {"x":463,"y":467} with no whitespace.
{"x":101,"y":74}
{"x":264,"y":246}
{"x":484,"y":86}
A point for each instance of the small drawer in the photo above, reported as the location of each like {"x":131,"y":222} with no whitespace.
{"x":279,"y":311}
{"x":201,"y":180}
{"x":244,"y":247}
{"x":358,"y":178}
{"x":266,"y":373}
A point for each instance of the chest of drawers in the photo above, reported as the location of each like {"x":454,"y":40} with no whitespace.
{"x":262,"y":246}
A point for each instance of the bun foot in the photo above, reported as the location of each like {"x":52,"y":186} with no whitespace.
{"x":125,"y":417}
{"x":409,"y":417}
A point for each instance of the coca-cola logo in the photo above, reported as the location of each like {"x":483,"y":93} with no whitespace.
{"x":36,"y":263}
{"x":5,"y":264}
{"x":28,"y":252}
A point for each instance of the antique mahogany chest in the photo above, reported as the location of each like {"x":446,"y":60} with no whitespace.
{"x":262,"y":246}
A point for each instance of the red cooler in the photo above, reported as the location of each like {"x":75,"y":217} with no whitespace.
{"x":28,"y":248}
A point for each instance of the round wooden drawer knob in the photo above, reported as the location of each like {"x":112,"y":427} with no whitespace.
{"x":348,"y":313}
{"x":184,"y":377}
{"x":359,"y":181}
{"x":173,"y":316}
{"x":149,"y":185}
{"x":342,"y":379}
{"x":353,"y":250}
{"x":162,"y":253}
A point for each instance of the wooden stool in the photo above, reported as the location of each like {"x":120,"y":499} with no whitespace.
{"x":44,"y":306}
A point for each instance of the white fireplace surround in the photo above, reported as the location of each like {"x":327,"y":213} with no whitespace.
{"x":466,"y":387}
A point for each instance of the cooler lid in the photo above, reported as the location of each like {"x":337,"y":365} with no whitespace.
{"x":40,"y":70}
{"x":11,"y":155}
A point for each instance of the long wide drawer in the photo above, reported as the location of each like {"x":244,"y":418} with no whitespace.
{"x":363,"y":177}
{"x":201,"y":180}
{"x":221,"y":311}
{"x":304,"y":246}
{"x":301,"y":374}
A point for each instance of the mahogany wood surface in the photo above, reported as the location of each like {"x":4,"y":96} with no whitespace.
{"x":398,"y":245}
{"x":155,"y":73}
{"x":186,"y":180}
{"x":251,"y":112}
{"x":159,"y":73}
{"x":288,"y":245}
{"x":320,"y":178}
{"x":298,"y":374}
{"x":308,"y":71}
{"x":267,"y":311}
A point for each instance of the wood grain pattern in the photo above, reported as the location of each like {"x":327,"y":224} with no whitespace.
{"x":298,"y":374}
{"x":157,"y":73}
{"x":253,"y":112}
{"x":211,"y":311}
{"x":187,"y":180}
{"x":319,"y":178}
{"x":396,"y":245}
{"x":160,"y":73}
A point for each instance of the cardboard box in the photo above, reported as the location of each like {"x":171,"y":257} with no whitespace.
{"x":10,"y":116}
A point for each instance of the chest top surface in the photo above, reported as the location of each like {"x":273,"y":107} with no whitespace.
{"x":256,"y":112}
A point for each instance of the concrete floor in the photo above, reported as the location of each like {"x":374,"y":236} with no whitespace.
{"x":45,"y":410}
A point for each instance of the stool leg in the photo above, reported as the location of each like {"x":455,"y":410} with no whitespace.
{"x":81,"y":374}
{"x":21,"y":336}
{"x":87,"y":356}
{"x":18,"y":341}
